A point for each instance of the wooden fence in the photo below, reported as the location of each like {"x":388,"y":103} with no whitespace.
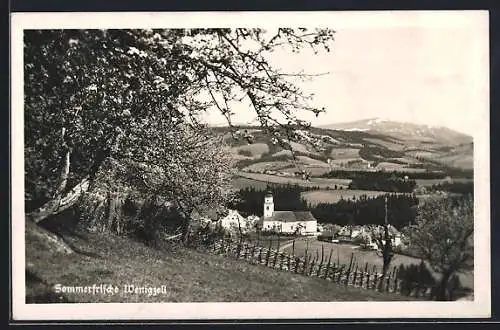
{"x":352,"y":274}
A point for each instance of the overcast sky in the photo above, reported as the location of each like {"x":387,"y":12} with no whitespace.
{"x":423,"y":68}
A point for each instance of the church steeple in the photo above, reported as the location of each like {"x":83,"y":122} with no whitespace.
{"x":268,"y":204}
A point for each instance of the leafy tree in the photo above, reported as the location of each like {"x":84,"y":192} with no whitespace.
{"x":442,"y":234}
{"x":383,"y":238}
{"x":135,"y":96}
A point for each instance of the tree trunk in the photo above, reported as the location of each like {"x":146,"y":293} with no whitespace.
{"x":442,"y":287}
{"x":186,"y":226}
{"x":59,"y":203}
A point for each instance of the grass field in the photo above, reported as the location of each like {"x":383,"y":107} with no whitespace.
{"x":318,"y":171}
{"x":385,"y":143}
{"x":189,"y":275}
{"x":344,"y":153}
{"x":256,"y":149}
{"x":242,"y":183}
{"x":431,"y":182}
{"x":270,"y":165}
{"x":314,"y":182}
{"x":333,"y":196}
{"x":342,"y":253}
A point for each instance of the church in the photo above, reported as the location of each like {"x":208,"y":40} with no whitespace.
{"x":299,"y":222}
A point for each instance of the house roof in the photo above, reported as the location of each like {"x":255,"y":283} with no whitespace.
{"x":209,"y":213}
{"x":291,"y":216}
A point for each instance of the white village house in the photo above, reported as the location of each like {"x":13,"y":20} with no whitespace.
{"x":353,"y":232}
{"x":300,"y":222}
{"x":236,"y":222}
{"x":232,"y":220}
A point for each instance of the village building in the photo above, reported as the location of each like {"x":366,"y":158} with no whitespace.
{"x":290,"y":222}
{"x":231,"y":220}
{"x":234,"y":221}
{"x":351,"y":233}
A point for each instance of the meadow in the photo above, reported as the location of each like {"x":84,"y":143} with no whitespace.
{"x":313,"y":182}
{"x":341,"y":253}
{"x":333,"y":196}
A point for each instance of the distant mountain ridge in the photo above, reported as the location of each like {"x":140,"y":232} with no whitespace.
{"x":404,"y":131}
{"x":373,"y":144}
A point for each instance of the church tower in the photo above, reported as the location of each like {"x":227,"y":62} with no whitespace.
{"x":268,"y":205}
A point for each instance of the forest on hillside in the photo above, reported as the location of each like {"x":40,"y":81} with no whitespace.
{"x":359,"y":211}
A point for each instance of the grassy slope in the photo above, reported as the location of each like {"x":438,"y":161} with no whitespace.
{"x":189,"y":276}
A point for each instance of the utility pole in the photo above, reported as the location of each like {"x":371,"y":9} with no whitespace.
{"x":386,"y":226}
{"x":385,"y":210}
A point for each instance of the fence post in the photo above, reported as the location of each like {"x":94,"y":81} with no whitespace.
{"x":328,"y":265}
{"x":388,"y":282}
{"x":320,"y":266}
{"x":349,"y":269}
{"x":395,"y":279}
{"x":355,"y":275}
{"x":375,"y":278}
{"x":304,"y":270}
{"x":311,"y":268}
{"x":268,"y":255}
{"x":335,"y":271}
{"x":364,"y":273}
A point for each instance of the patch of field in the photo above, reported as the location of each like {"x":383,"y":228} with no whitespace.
{"x":408,"y":160}
{"x":431,"y":182}
{"x":388,"y":144}
{"x":299,"y":147}
{"x":460,"y":161}
{"x":427,"y":182}
{"x":255,"y":150}
{"x":242,"y":183}
{"x":344,"y":153}
{"x":318,"y":171}
{"x":314,"y":182}
{"x":188,"y":275}
{"x":333,"y":196}
{"x":341,"y":253}
{"x":271,"y":165}
{"x":311,"y":161}
{"x":388,"y":166}
{"x":343,"y":160}
{"x":422,"y":154}
{"x":282,"y":153}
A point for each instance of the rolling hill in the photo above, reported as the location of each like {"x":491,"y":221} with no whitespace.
{"x":368,"y":145}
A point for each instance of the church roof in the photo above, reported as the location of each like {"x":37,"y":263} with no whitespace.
{"x":304,"y":216}
{"x":291,"y":216}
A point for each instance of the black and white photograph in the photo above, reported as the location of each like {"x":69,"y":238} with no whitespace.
{"x":259,"y":164}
